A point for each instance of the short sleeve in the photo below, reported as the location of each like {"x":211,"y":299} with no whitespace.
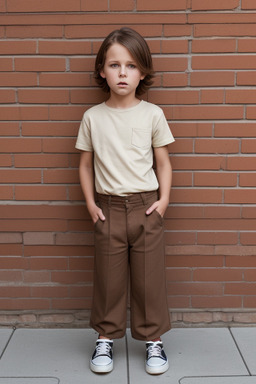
{"x":162,"y":134}
{"x":84,"y":141}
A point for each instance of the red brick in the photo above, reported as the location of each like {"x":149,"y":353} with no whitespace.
{"x":248,"y":302}
{"x":8,"y":79}
{"x":6,"y":192}
{"x":41,"y":161}
{"x":206,"y":5}
{"x":24,"y":113}
{"x":6,"y":64}
{"x":196,"y":196}
{"x":177,"y":30}
{"x":217,"y":146}
{"x":215,"y":180}
{"x":195,"y":288}
{"x":202,"y":162}
{"x":173,"y":97}
{"x":166,"y":63}
{"x":7,"y":96}
{"x":20,"y":145}
{"x":24,"y":304}
{"x":245,"y":196}
{"x":68,"y":304}
{"x":182,"y":146}
{"x":11,"y":176}
{"x":42,"y":192}
{"x":217,"y":302}
{"x":66,"y":145}
{"x":214,"y":46}
{"x":66,"y":113}
{"x":99,"y":5}
{"x":241,"y":163}
{"x":79,"y":96}
{"x":63,"y":129}
{"x":53,"y":250}
{"x":187,"y":129}
{"x":217,"y":237}
{"x":42,"y":64}
{"x":224,"y":62}
{"x":45,"y":6}
{"x":248,"y":4}
{"x":246,"y":45}
{"x":251,"y":112}
{"x":64,"y":47}
{"x":212,"y":79}
{"x":206,"y":112}
{"x":63,"y":80}
{"x":247,"y":179}
{"x":248,"y":239}
{"x":59,"y":176}
{"x":43,"y":96}
{"x":212,"y":96}
{"x":175,"y":80}
{"x":50,"y":292}
{"x":161,"y":5}
{"x":31,"y":238}
{"x":246,"y":78}
{"x":34,"y":31}
{"x":48,"y":263}
{"x":17,"y":47}
{"x":217,"y":274}
{"x":2,"y":6}
{"x":6,"y":160}
{"x":37,"y":277}
{"x":244,"y":129}
{"x":230,"y":30}
{"x":237,"y":96}
{"x":116,"y":5}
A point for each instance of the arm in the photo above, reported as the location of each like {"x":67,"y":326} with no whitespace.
{"x":86,"y":174}
{"x":164,"y":176}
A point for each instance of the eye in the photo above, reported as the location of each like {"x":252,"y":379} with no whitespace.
{"x":132,"y":66}
{"x":113,"y":65}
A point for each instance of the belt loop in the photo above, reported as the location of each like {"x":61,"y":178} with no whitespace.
{"x":144,"y":197}
{"x":109,"y":200}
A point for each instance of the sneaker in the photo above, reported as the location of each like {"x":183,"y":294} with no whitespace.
{"x":156,"y":359}
{"x":102,"y":358}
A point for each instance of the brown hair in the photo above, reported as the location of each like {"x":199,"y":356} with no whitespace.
{"x":139,"y":50}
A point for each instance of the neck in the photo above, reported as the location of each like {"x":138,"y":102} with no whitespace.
{"x":122,"y":103}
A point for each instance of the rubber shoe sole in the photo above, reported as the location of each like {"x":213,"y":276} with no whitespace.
{"x":101,"y":368}
{"x":157,"y":370}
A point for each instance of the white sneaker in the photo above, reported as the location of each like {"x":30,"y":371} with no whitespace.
{"x":102,"y":358}
{"x":156,"y":359}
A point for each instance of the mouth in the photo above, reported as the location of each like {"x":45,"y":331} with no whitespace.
{"x":122,"y":83}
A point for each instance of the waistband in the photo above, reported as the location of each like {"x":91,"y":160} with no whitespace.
{"x":143,"y":197}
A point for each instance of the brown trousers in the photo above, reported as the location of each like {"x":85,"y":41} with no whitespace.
{"x":129,"y":241}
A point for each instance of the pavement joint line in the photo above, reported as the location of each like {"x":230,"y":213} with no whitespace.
{"x":127,"y":359}
{"x":240,"y":352}
{"x":32,"y":377}
{"x":214,"y":377}
{"x":6,"y":346}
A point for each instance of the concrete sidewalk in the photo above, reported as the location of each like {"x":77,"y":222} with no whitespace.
{"x":60,"y":356}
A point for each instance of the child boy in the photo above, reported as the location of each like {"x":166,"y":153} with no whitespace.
{"x":118,"y":139}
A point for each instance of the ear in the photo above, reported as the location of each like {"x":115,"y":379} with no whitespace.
{"x":142,"y":77}
{"x":102,"y":74}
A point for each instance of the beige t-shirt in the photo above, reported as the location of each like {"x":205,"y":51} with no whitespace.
{"x":122,"y":141}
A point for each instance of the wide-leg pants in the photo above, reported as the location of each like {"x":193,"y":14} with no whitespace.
{"x":130,"y":241}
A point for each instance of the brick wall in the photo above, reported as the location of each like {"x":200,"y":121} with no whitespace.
{"x":204,"y":56}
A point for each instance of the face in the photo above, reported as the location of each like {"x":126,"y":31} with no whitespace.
{"x":121,"y":71}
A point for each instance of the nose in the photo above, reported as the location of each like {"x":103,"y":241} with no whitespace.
{"x":122,"y":71}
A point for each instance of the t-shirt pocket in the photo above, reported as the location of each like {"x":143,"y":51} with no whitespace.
{"x":141,"y":137}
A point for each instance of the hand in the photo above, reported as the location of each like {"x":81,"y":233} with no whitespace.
{"x":160,"y":206}
{"x":96,"y":213}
